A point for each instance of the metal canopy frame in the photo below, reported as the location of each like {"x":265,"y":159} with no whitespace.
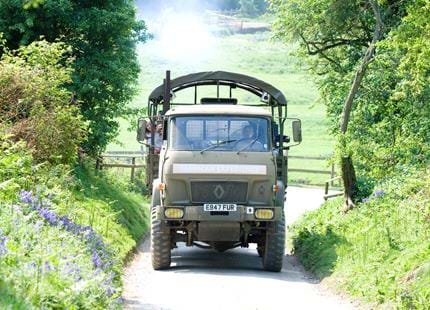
{"x":162,"y":94}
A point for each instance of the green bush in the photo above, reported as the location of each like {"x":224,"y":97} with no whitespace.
{"x":102,"y":36}
{"x":62,"y":241}
{"x":34,"y":104}
{"x":379,"y":251}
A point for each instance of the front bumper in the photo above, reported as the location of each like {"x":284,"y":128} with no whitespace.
{"x":243,"y":214}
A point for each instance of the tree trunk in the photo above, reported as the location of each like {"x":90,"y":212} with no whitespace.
{"x":349,"y":182}
{"x":348,"y":172}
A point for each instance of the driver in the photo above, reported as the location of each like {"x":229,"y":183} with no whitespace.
{"x":249,"y":140}
{"x":248,"y":133}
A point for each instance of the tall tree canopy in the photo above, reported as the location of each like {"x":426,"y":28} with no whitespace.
{"x":253,"y":7}
{"x":390,"y":120}
{"x":103,"y":35}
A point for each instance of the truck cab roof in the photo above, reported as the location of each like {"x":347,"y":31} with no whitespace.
{"x":218,"y":109}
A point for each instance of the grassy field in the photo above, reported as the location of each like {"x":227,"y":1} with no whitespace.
{"x":252,"y":54}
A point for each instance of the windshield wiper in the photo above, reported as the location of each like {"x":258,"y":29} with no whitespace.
{"x":247,"y":146}
{"x":216,"y":145}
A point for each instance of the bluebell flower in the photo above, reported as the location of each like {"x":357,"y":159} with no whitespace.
{"x":379,"y":193}
{"x":16,"y":208}
{"x":26,"y":196}
{"x":110,"y":291}
{"x":49,"y":216}
{"x":48,"y":267}
{"x":120,"y":300}
{"x":365,"y":200}
{"x":100,"y":253}
{"x":96,"y":259}
{"x":3,"y":239}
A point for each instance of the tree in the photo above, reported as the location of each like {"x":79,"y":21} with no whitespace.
{"x":103,"y":35}
{"x":253,"y":7}
{"x":348,"y":171}
{"x":379,"y":124}
{"x":227,"y":5}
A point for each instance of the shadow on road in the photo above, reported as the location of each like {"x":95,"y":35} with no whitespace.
{"x":240,"y":262}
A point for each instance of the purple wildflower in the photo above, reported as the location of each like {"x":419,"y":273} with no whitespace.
{"x":26,"y":196}
{"x":101,"y":255}
{"x":120,"y":300}
{"x":365,"y":200}
{"x":3,"y":240}
{"x":72,"y":269}
{"x":49,"y":216}
{"x":48,"y":267}
{"x":379,"y":193}
{"x":110,"y":291}
{"x":96,"y":259}
{"x":38,"y":226}
{"x":16,"y":208}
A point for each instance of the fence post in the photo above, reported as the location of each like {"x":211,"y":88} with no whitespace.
{"x":133,"y":162}
{"x":332,"y":174}
{"x":326,"y":190}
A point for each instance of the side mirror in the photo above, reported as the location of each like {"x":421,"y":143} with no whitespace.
{"x":141,"y":129}
{"x":297,"y":131}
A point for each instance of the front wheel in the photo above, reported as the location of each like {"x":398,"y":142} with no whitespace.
{"x":161,"y":244}
{"x":274,"y":248}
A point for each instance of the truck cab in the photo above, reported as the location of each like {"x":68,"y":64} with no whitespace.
{"x":221,"y":172}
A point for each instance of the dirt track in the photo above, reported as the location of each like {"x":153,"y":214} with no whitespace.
{"x":202,"y":279}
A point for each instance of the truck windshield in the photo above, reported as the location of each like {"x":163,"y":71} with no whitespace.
{"x":219,"y":133}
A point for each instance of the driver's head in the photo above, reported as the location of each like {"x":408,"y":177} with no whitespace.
{"x":248,"y":132}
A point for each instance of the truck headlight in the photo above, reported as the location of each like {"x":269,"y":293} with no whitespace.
{"x":264,"y":214}
{"x":174,"y":213}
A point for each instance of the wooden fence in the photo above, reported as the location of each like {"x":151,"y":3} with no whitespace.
{"x":331,"y":172}
{"x":128,"y":160}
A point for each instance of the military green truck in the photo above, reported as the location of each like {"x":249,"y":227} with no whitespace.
{"x":219,"y":177}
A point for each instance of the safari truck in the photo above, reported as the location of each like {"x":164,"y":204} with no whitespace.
{"x":219,"y":178}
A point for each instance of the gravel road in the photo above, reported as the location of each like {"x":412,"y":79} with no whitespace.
{"x":204,"y":279}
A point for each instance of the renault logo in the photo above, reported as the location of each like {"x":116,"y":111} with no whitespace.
{"x":219,"y":191}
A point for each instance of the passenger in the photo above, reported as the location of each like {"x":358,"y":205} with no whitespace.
{"x":148,"y":131}
{"x":158,"y":138}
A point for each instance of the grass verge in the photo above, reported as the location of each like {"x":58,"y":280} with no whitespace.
{"x":64,"y":235}
{"x":379,"y":251}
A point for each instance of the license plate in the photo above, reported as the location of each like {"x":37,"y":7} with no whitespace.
{"x":220,"y":207}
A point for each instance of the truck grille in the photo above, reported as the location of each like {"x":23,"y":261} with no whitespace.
{"x":222,"y":192}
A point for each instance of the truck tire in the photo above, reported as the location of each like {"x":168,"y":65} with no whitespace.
{"x":161,"y":244}
{"x":274,"y":248}
{"x":260,"y":251}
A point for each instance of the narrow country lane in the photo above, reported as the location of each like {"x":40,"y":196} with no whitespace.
{"x":202,"y":279}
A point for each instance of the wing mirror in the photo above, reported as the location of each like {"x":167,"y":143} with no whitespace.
{"x":141,"y":130}
{"x":297,"y":131}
